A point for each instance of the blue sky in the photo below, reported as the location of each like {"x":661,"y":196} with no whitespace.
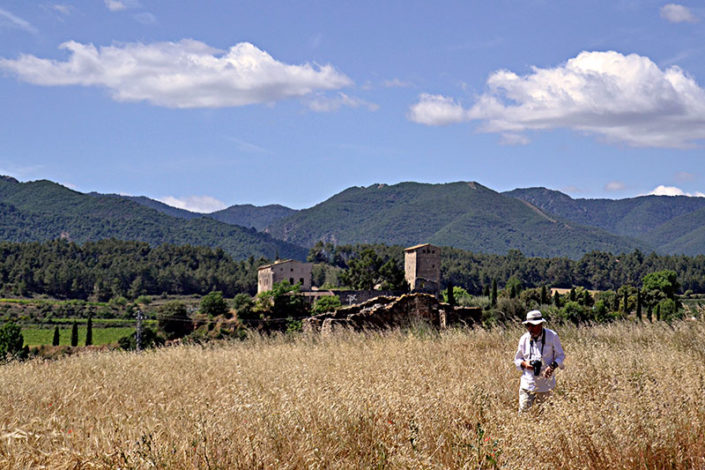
{"x":208,"y":104}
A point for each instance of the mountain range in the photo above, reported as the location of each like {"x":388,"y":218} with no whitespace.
{"x":465,"y":215}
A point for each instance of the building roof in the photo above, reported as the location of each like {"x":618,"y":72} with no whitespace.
{"x":279,"y":261}
{"x":416,"y":247}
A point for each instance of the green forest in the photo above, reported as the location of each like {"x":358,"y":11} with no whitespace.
{"x":103,"y":270}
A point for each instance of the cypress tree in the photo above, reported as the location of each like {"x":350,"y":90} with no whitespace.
{"x":638,"y":304}
{"x":571,"y":295}
{"x":55,"y":340}
{"x":74,"y":334}
{"x":544,"y":295}
{"x":89,"y":331}
{"x":557,"y":299}
{"x":493,"y":297}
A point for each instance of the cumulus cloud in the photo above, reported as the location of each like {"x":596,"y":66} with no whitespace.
{"x":677,"y":14}
{"x":324,"y":104}
{"x":662,"y":190}
{"x":621,"y":98}
{"x":120,"y":5}
{"x":184,"y":74}
{"x":437,"y":110}
{"x":14,"y":21}
{"x":202,"y":204}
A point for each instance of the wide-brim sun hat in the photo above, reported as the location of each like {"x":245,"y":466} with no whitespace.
{"x":534,"y":317}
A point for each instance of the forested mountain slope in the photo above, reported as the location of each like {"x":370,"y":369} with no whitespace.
{"x":671,"y":224}
{"x":247,"y":215}
{"x":42,"y":210}
{"x":463,"y":215}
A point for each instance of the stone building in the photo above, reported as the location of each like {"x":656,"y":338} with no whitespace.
{"x":422,"y":268}
{"x":284,"y":270}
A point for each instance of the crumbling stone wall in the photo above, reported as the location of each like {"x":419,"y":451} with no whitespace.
{"x":393,"y":312}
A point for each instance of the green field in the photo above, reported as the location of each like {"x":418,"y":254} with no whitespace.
{"x":39,"y":336}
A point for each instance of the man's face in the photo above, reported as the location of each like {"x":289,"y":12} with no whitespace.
{"x":534,"y":330}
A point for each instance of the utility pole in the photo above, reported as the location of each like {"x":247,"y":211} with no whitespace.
{"x":138,"y":333}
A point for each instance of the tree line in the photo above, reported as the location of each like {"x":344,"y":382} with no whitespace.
{"x":110,"y":269}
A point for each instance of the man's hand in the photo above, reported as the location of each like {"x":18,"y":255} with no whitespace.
{"x":548,"y":372}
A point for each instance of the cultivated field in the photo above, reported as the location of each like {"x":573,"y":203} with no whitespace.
{"x":632,"y":396}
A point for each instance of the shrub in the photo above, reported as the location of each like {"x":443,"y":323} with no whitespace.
{"x":173,"y":320}
{"x":11,"y":341}
{"x":326,"y":304}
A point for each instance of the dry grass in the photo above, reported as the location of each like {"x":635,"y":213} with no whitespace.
{"x":632,"y":396}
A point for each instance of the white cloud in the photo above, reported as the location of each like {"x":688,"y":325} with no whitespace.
{"x":324,"y":104}
{"x":120,"y":5}
{"x":613,"y":186}
{"x":13,"y":21}
{"x":626,"y":99}
{"x":202,"y":204}
{"x":677,"y":14}
{"x":184,"y":74}
{"x":514,"y":139}
{"x":662,"y":190}
{"x":63,"y":9}
{"x":115,"y":5}
{"x":437,"y":110}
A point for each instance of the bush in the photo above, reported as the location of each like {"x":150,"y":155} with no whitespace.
{"x":11,"y":341}
{"x":326,"y":304}
{"x":213,"y":304}
{"x":173,"y":320}
{"x":150,"y":339}
{"x":244,"y":306}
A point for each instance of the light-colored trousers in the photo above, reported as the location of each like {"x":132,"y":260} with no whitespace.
{"x":527,"y":399}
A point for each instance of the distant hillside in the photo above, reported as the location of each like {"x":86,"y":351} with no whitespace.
{"x":247,"y":215}
{"x":468,"y":216}
{"x":163,"y":208}
{"x":42,"y":210}
{"x":671,"y":224}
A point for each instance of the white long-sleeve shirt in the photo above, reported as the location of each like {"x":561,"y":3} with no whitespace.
{"x":530,"y":349}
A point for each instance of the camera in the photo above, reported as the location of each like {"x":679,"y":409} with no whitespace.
{"x":536,"y":364}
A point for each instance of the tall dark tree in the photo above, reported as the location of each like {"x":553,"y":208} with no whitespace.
{"x":544,"y":295}
{"x":56,"y":339}
{"x":638,"y":304}
{"x":493,"y":296}
{"x":74,"y":334}
{"x":89,"y":331}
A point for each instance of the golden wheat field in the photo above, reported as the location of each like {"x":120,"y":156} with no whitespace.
{"x":631,"y":396}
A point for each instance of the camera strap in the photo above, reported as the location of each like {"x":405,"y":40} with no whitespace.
{"x":543,"y":343}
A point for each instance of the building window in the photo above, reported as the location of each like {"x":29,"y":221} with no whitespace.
{"x":291,"y":281}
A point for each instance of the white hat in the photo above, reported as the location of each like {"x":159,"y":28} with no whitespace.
{"x":534,"y":317}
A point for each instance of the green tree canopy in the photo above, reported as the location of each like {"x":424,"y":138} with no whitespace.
{"x":213,"y":304}
{"x":173,"y":320}
{"x":11,"y":340}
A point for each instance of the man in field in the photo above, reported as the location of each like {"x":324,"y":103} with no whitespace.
{"x":538,"y":356}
